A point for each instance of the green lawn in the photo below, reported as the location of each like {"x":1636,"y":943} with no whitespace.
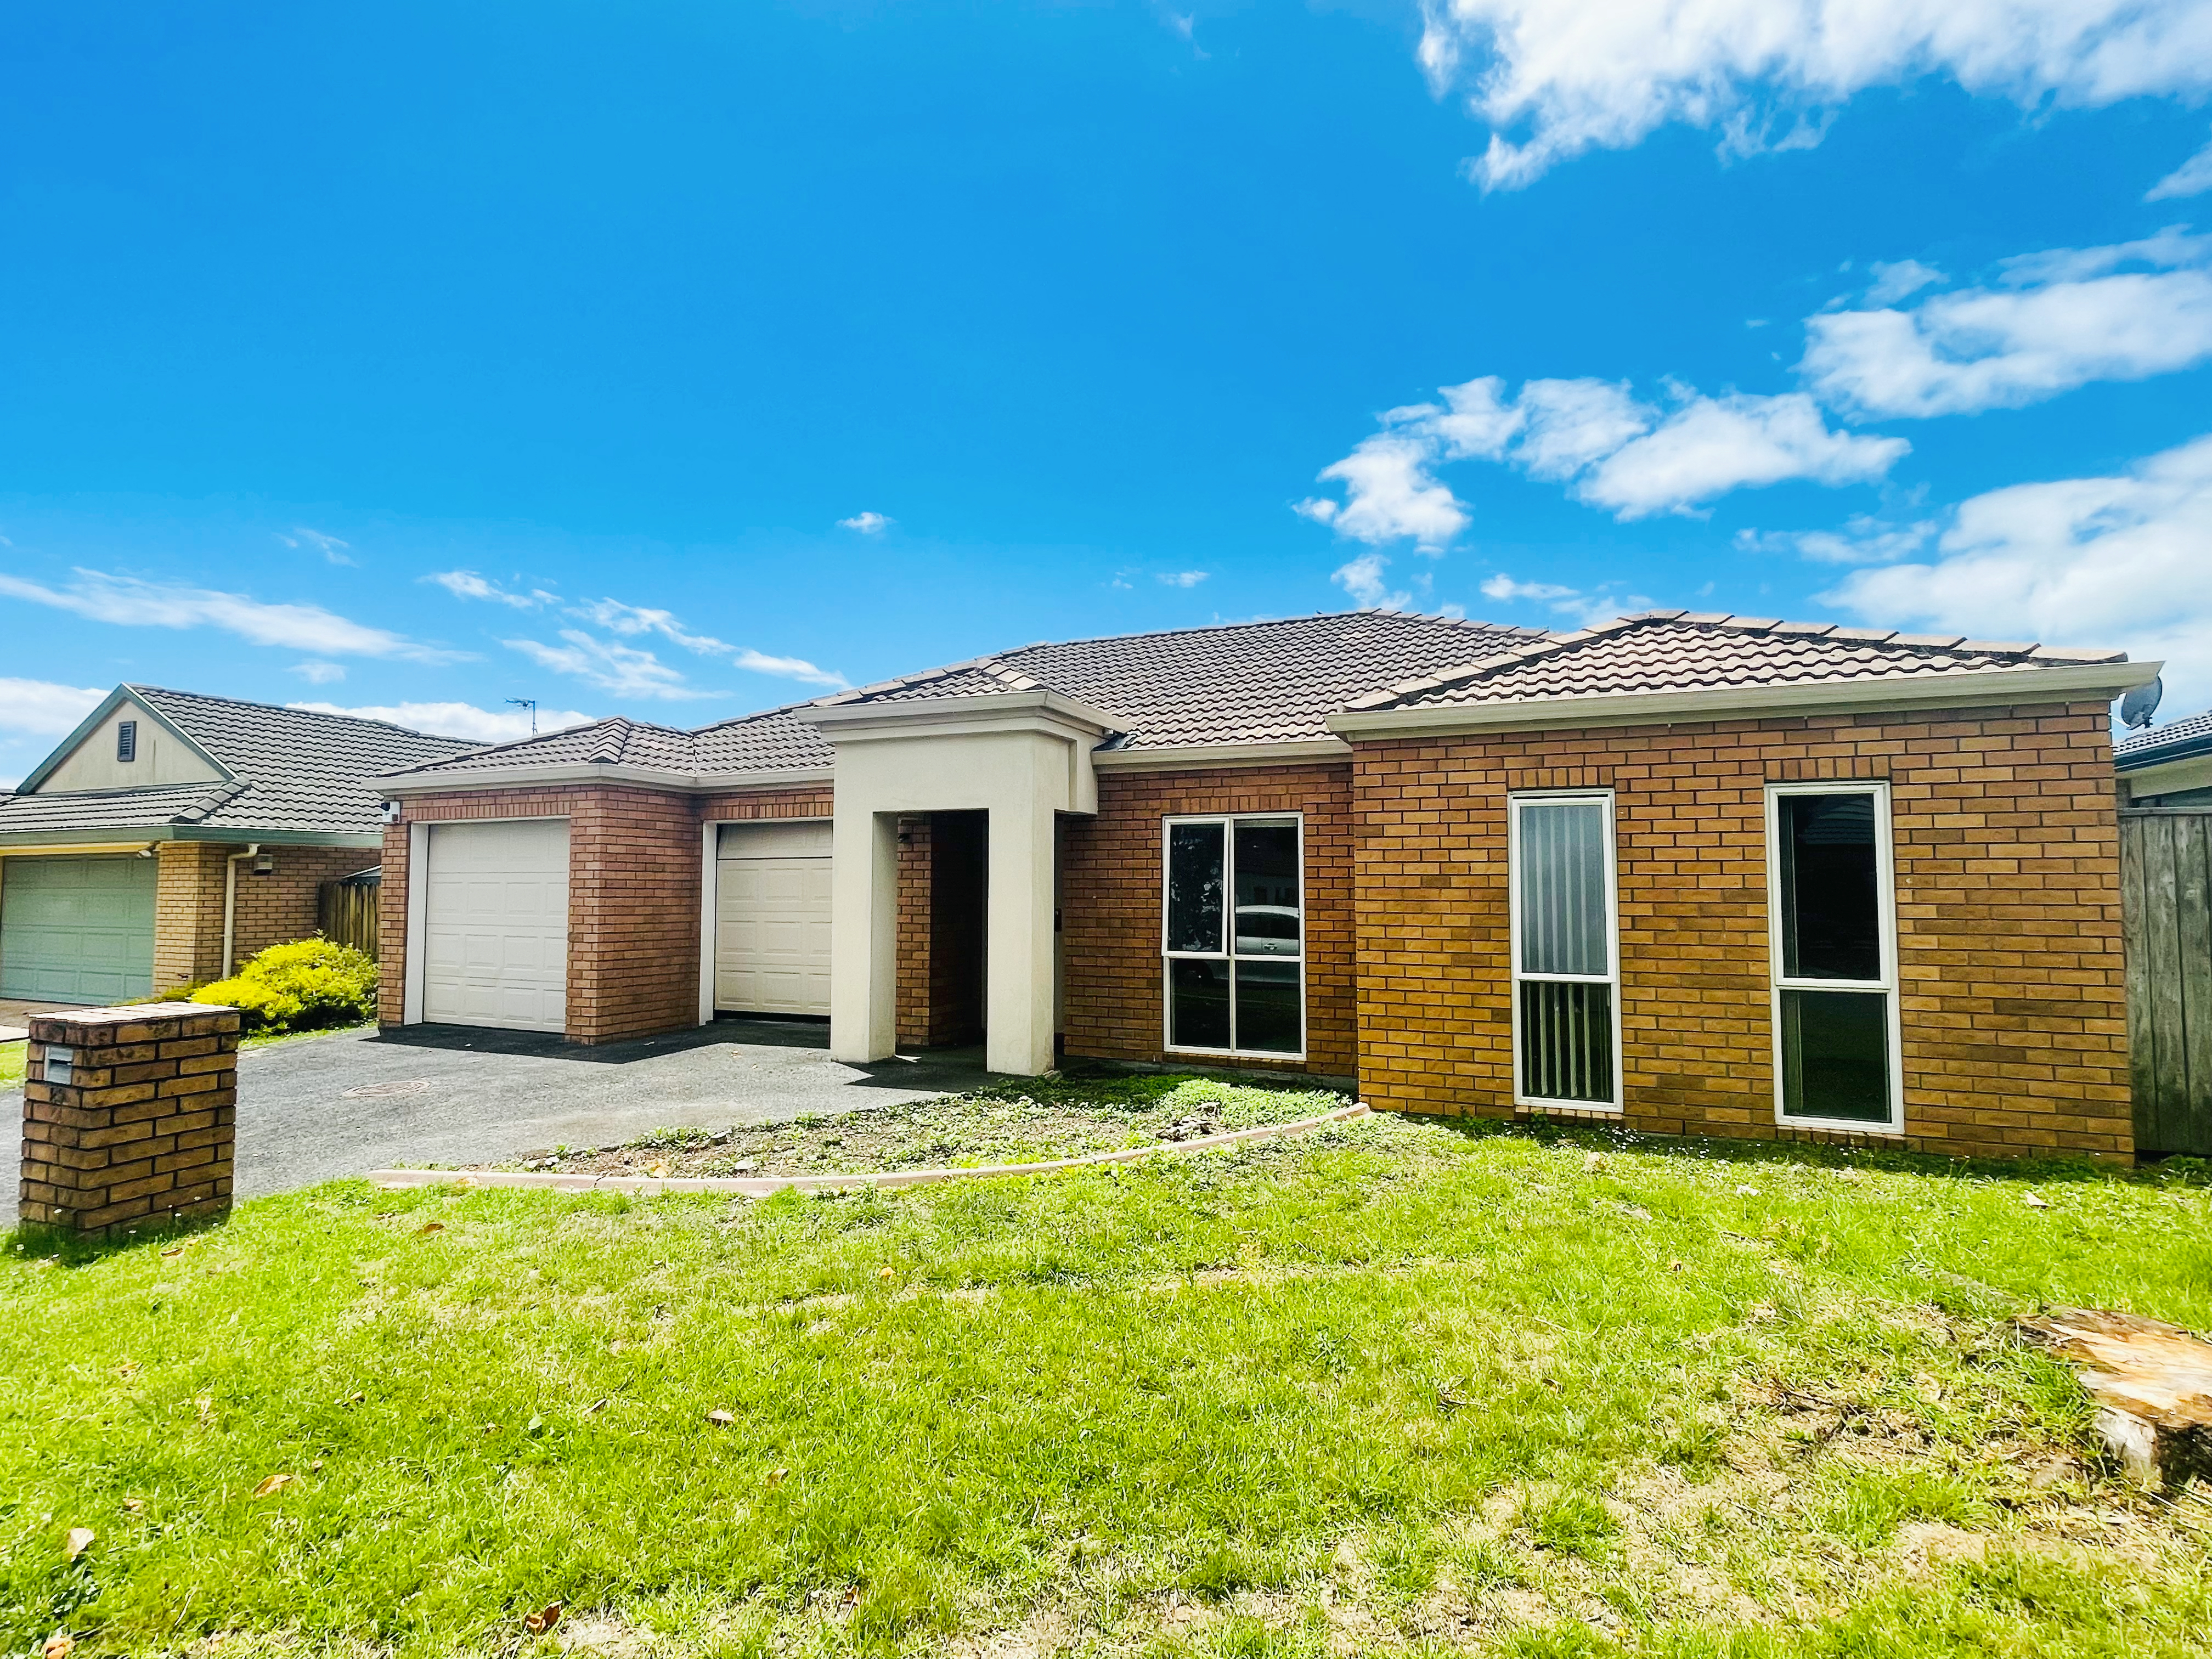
{"x":1399,"y":1388}
{"x":11,"y":1063}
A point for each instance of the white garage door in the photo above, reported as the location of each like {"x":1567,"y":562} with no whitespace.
{"x":496,"y":932}
{"x":772,"y":919}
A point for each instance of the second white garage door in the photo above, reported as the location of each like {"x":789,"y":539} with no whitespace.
{"x":495,"y":928}
{"x":772,"y":919}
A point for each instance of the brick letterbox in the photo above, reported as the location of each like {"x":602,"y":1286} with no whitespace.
{"x":130,"y":1116}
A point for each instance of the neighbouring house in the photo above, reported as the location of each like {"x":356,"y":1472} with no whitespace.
{"x":2168,"y":765}
{"x":172,"y":834}
{"x":2166,"y":871}
{"x":1693,"y":873}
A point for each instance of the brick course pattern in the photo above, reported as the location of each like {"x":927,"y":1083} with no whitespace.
{"x":1112,"y":977}
{"x":2013,"y":1002}
{"x":144,"y":1128}
{"x":271,"y":909}
{"x":634,"y":858}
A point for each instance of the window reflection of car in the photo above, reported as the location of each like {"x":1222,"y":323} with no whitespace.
{"x":1266,"y":930}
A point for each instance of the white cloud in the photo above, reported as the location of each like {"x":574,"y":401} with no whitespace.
{"x":1564,"y":77}
{"x":129,"y":602}
{"x":2118,"y":561}
{"x":319,"y":673}
{"x":1504,"y":589}
{"x":1388,"y":494}
{"x":457,"y":720}
{"x":789,"y":668}
{"x":467,"y":585}
{"x":2192,"y":177}
{"x":868,"y":524}
{"x":40,"y":708}
{"x":632,"y":620}
{"x":2054,"y":321}
{"x":329,"y":546}
{"x":1362,"y":579}
{"x":1899,"y":280}
{"x":1599,"y":604}
{"x":620,"y":669}
{"x":1710,"y":445}
{"x":1632,"y":458}
{"x":1862,"y":540}
{"x":1182,"y":578}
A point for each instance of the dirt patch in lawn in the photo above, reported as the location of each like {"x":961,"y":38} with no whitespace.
{"x":1039,"y":1118}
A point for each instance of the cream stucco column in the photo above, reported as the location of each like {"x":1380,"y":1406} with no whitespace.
{"x":1024,"y":758}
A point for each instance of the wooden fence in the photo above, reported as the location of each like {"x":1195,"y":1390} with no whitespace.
{"x":2166,"y":879}
{"x":346,"y":910}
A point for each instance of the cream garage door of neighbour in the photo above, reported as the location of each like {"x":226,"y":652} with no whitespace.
{"x":496,"y":934}
{"x":772,"y":919}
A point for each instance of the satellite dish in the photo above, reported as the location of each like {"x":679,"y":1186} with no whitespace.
{"x":2140,"y":704}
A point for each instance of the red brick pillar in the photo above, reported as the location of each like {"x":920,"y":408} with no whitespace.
{"x":130,"y":1116}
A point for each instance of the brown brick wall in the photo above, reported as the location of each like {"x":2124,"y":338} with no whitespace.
{"x":1112,"y":989}
{"x":2013,"y":1006}
{"x":633,"y":857}
{"x":144,"y":1128}
{"x":271,"y":909}
{"x":282,"y":906}
{"x":188,"y":914}
{"x":941,"y":929}
{"x":911,"y":1000}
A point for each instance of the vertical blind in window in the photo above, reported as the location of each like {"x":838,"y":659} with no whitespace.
{"x":1564,"y":969}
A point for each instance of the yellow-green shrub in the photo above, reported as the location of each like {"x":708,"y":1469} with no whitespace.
{"x":299,"y":985}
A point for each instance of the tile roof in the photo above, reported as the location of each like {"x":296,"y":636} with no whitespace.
{"x":1269,"y":682}
{"x":2192,"y":733}
{"x":290,"y":769}
{"x":1660,"y":651}
{"x":1238,"y":683}
{"x":775,"y":741}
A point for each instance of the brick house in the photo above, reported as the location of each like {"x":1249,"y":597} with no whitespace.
{"x":1695,"y":873}
{"x":172,"y":835}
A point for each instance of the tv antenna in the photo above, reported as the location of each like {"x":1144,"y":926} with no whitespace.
{"x":2140,"y":704}
{"x":531,"y":703}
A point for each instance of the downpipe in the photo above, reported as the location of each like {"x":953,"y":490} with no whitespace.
{"x":230,"y":904}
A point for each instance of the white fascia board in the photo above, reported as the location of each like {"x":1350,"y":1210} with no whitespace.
{"x":575,"y":772}
{"x":985,"y":711}
{"x":1973,"y":688}
{"x":1208,"y":756}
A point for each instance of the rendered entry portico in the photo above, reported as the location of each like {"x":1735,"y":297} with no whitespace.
{"x":1024,"y":757}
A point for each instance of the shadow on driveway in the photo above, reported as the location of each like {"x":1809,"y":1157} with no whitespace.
{"x":319,"y":1108}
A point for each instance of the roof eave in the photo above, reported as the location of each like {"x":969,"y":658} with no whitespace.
{"x":2158,"y":755}
{"x":147,"y":834}
{"x":1971,"y":689}
{"x":1196,"y":755}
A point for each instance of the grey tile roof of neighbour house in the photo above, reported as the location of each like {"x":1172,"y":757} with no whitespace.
{"x":1662,"y":651}
{"x":2175,"y":740}
{"x":1269,"y":682}
{"x":292,"y":770}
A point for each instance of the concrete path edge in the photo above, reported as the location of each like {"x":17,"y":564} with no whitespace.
{"x":653,"y":1186}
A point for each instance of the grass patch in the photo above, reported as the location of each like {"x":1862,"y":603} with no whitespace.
{"x":1036,"y":1119}
{"x":1400,"y":1387}
{"x":12,"y":1061}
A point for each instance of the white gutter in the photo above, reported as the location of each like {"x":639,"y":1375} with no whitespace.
{"x":1196,"y":755}
{"x":1970,"y":688}
{"x":230,"y":904}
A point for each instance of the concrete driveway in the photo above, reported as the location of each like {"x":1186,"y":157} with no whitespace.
{"x":318,"y":1107}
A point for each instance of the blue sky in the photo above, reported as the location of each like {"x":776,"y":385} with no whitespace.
{"x":679,"y":360}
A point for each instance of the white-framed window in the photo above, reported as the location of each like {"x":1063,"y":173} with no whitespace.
{"x":1832,"y":922}
{"x":1566,"y":950}
{"x":1233,"y":934}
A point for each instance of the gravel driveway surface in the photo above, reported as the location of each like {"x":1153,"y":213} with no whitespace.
{"x":447,"y":1094}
